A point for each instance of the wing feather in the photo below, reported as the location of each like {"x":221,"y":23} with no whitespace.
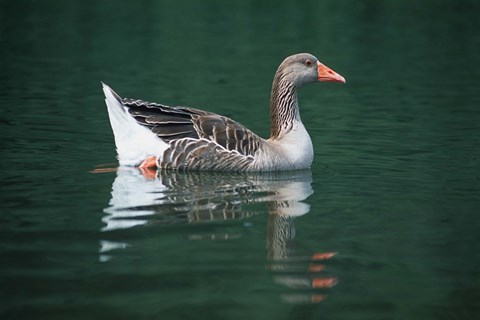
{"x":198,"y":139}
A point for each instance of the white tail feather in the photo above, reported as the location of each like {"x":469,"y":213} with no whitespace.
{"x":134,"y":142}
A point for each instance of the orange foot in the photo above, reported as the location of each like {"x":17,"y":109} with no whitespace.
{"x":149,"y":173}
{"x":150,"y":162}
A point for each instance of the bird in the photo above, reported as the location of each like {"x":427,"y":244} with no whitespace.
{"x":154,"y":135}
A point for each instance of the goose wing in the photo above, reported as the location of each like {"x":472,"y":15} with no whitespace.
{"x":200,"y":128}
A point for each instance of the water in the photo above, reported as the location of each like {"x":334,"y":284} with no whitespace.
{"x":384,"y":226}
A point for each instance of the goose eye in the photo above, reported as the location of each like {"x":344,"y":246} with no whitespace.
{"x":308,"y":63}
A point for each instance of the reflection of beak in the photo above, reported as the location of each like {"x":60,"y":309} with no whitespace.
{"x":327,"y":74}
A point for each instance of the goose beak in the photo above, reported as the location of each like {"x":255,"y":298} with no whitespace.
{"x":327,"y":74}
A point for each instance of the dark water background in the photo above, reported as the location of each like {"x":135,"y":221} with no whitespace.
{"x":384,"y":226}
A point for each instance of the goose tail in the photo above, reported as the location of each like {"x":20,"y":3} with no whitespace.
{"x":133,"y":141}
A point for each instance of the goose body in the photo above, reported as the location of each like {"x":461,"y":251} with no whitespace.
{"x":153,"y":134}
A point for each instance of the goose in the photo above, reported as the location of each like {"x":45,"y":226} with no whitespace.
{"x":153,"y":135}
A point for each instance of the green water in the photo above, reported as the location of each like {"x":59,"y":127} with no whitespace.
{"x":384,"y":226}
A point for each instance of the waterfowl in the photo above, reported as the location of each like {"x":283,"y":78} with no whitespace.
{"x":149,"y":134}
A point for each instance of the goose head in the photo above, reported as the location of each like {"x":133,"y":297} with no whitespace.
{"x":304,"y":68}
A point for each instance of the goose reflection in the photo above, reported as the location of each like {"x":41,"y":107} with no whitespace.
{"x":142,"y":196}
{"x":296,"y":270}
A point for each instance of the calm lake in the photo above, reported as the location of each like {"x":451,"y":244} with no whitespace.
{"x":385,"y":225}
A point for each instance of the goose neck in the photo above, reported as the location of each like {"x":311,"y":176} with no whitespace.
{"x":283,"y":107}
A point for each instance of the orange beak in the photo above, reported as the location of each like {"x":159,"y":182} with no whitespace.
{"x":327,"y":74}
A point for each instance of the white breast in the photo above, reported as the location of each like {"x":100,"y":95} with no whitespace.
{"x":294,"y":150}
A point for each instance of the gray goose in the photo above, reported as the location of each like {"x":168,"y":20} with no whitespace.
{"x":149,"y":134}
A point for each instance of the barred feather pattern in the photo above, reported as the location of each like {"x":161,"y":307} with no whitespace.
{"x":283,"y":106}
{"x":198,"y":140}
